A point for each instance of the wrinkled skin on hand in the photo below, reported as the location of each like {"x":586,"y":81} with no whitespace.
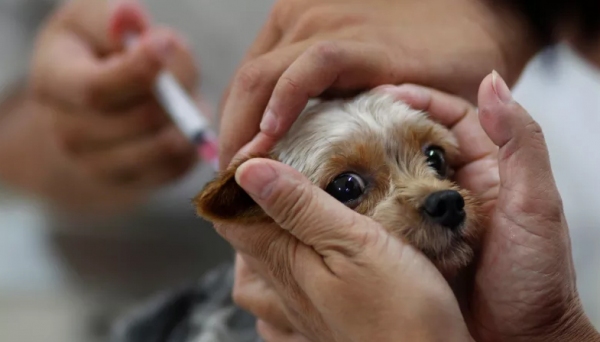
{"x":322,"y":48}
{"x":523,"y":286}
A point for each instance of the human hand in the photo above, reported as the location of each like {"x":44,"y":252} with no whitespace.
{"x":256,"y":295}
{"x":341,"y":276}
{"x":524,"y":287}
{"x":99,"y":95}
{"x":319,"y":48}
{"x":477,"y":171}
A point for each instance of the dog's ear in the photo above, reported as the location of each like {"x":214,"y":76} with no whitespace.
{"x":223,"y":201}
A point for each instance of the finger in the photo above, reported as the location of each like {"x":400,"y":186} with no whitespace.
{"x":267,"y":38}
{"x":126,"y":77}
{"x":130,"y":76}
{"x":253,"y":293}
{"x":525,"y":172}
{"x":97,"y":21}
{"x":477,"y":151}
{"x":67,"y":72}
{"x":313,"y":233}
{"x":270,"y":333}
{"x":250,"y":91}
{"x":308,"y":213}
{"x":69,"y":47}
{"x":137,"y":163}
{"x":446,"y":109}
{"x":126,"y":16}
{"x":451,"y":111}
{"x":98,"y":131}
{"x":339,"y":65}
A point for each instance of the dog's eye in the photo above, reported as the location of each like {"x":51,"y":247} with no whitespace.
{"x":347,"y":188}
{"x":436,"y":159}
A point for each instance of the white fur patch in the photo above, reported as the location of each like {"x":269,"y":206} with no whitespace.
{"x":306,"y":147}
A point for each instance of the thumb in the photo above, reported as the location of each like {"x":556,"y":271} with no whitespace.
{"x":525,"y":171}
{"x":127,"y":16}
{"x":304,"y":210}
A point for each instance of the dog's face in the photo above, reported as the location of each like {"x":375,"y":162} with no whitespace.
{"x":380,"y":158}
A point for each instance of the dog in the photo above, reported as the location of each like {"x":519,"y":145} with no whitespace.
{"x":381,"y":158}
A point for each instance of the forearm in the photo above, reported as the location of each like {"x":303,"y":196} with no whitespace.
{"x":31,"y":160}
{"x":22,"y":156}
{"x":576,"y":22}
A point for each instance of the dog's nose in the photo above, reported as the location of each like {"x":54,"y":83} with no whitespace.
{"x":445,"y":208}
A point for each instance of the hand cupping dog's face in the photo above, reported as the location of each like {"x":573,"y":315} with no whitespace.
{"x":382,"y":159}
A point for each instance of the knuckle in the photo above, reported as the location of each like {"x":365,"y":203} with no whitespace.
{"x":364,"y":237}
{"x":310,"y":21}
{"x":284,"y":10}
{"x":546,"y":206}
{"x":327,"y":52}
{"x":288,"y":85}
{"x":316,"y":16}
{"x":250,"y":76}
{"x":536,"y":132}
{"x":295,"y":204}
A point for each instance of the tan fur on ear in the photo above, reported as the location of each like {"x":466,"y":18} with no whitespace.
{"x":223,"y":201}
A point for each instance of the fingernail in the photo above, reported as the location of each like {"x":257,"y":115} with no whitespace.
{"x":269,"y":123}
{"x":500,"y":88}
{"x":162,"y":45}
{"x":257,"y":178}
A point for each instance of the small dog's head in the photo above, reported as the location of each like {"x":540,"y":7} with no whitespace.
{"x":382,"y":159}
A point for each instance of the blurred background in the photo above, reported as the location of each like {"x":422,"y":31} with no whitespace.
{"x":65,"y":278}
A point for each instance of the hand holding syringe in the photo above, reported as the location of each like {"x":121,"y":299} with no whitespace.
{"x":184,"y":113}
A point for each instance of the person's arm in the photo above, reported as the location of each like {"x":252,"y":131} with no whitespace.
{"x":574,"y":21}
{"x":23,"y":144}
{"x":31,"y":160}
{"x":83,"y":130}
{"x":319,"y":48}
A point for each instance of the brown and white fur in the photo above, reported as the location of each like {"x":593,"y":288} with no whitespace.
{"x":384,"y":143}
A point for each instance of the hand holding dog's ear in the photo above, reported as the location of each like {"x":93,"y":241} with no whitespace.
{"x":524,"y":287}
{"x":527,"y":252}
{"x":333,"y":267}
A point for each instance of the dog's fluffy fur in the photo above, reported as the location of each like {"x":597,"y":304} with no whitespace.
{"x":382,"y":142}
